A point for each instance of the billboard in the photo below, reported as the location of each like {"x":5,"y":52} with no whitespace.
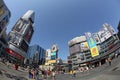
{"x":24,"y":46}
{"x":92,"y":44}
{"x":77,"y":40}
{"x":52,"y":61}
{"x":94,"y":51}
{"x":14,"y":39}
{"x":20,"y":26}
{"x":96,"y":38}
{"x":54,"y":48}
{"x":75,"y":48}
{"x":110,"y":28}
{"x":53,"y":56}
{"x":15,"y":54}
{"x":104,"y":34}
{"x":29,"y":34}
{"x":48,"y":54}
{"x":84,"y":46}
{"x":81,"y":57}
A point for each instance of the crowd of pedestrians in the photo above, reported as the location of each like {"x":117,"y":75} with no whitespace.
{"x":38,"y":74}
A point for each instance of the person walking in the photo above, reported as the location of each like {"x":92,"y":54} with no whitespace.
{"x":36,"y":74}
{"x":30,"y":74}
{"x":74,"y":73}
{"x":109,"y":61}
{"x":53,"y":75}
{"x":33,"y":73}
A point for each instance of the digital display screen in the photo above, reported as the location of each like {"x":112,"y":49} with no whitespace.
{"x":20,"y":26}
{"x":75,"y":48}
{"x":29,"y":34}
{"x":24,"y":46}
{"x":53,"y":56}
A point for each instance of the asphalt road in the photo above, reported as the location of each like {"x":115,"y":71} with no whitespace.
{"x":105,"y":72}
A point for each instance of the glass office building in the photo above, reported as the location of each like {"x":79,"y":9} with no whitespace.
{"x":20,"y":36}
{"x":36,"y":55}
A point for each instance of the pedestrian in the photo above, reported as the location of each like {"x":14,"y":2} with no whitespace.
{"x":33,"y":73}
{"x":16,"y":66}
{"x":53,"y":75}
{"x":48,"y":73}
{"x":43,"y":73}
{"x":36,"y":74}
{"x":30,"y":74}
{"x":74,"y":73}
{"x":109,"y":60}
{"x":71,"y":72}
{"x":8,"y":64}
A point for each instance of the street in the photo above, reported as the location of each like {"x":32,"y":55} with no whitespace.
{"x":105,"y":72}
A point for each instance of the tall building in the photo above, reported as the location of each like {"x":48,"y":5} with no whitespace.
{"x":20,"y":36}
{"x":92,"y":50}
{"x":79,"y":51}
{"x":4,"y":17}
{"x":52,"y":56}
{"x":48,"y":55}
{"x":36,"y":55}
{"x":118,"y":30}
{"x":4,"y":20}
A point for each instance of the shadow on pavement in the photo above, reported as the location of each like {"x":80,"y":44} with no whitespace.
{"x":14,"y":77}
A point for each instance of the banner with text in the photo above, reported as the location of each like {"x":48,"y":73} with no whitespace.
{"x":92,"y":44}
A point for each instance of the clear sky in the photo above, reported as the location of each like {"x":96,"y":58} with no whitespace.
{"x":59,"y":21}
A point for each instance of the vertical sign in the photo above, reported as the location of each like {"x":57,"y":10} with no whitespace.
{"x":92,"y":44}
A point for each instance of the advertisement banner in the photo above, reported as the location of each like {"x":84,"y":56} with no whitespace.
{"x":53,"y":56}
{"x":96,"y":38}
{"x":48,"y":54}
{"x":104,"y":34}
{"x":94,"y":51}
{"x":92,"y":44}
{"x":29,"y":34}
{"x":52,"y":61}
{"x":75,"y":48}
{"x":84,"y":46}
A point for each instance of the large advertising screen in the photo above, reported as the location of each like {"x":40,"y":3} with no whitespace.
{"x":96,"y":38}
{"x":75,"y":48}
{"x":104,"y":34}
{"x":14,"y":39}
{"x":53,"y":56}
{"x":109,"y":28}
{"x":84,"y":46}
{"x":20,"y":26}
{"x":48,"y":54}
{"x":92,"y":44}
{"x":82,"y":57}
{"x":29,"y":34}
{"x":24,"y":46}
{"x":94,"y":51}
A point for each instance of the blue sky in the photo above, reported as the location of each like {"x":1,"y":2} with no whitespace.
{"x":59,"y":21}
